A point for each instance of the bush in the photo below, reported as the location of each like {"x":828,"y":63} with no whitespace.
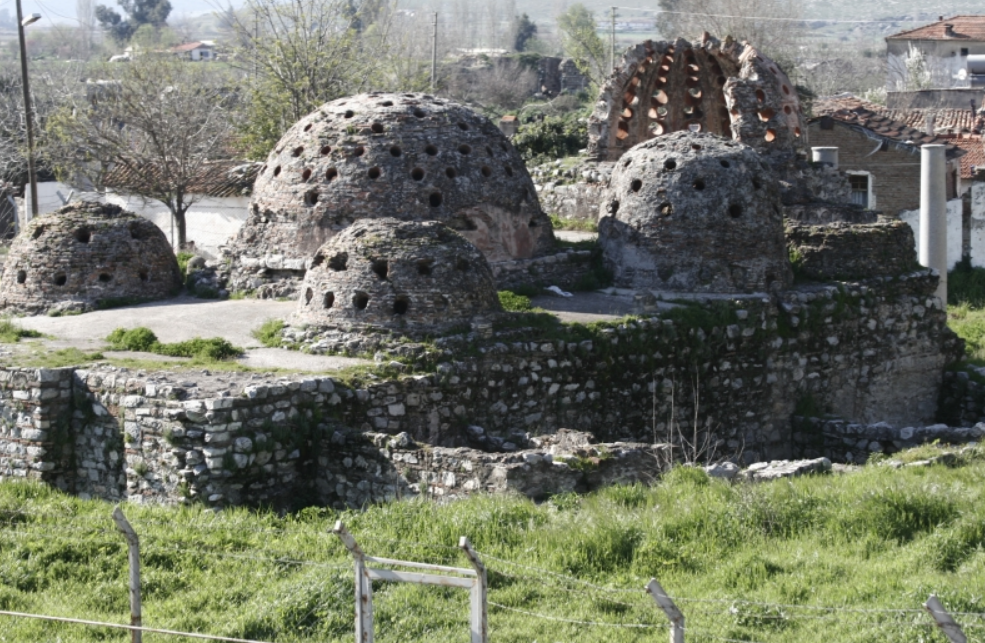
{"x":11,"y":332}
{"x":269,"y":333}
{"x":552,"y":138}
{"x":143,"y":339}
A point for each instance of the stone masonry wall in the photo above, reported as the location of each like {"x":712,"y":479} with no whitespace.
{"x":864,"y":352}
{"x":842,"y":251}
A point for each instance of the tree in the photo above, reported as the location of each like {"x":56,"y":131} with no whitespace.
{"x":139,"y":12}
{"x":523,"y":29}
{"x":156,"y":125}
{"x":581,"y":43}
{"x":768,"y":25}
{"x":301,"y":54}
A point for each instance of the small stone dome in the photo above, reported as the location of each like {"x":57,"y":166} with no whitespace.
{"x":694,"y":212}
{"x":396,"y":274}
{"x":406,"y":156}
{"x":85,"y":253}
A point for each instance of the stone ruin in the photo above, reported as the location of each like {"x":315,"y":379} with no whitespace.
{"x":85,"y":254}
{"x":694,"y":212}
{"x":397,"y":274}
{"x":725,"y":88}
{"x":406,"y":156}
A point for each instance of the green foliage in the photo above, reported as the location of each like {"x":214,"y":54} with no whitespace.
{"x":143,"y":339}
{"x":11,"y":332}
{"x":969,"y":324}
{"x":552,"y":138}
{"x":581,"y":42}
{"x":523,"y":29}
{"x":750,"y":554}
{"x":183,"y":259}
{"x":581,"y":225}
{"x":514,"y":303}
{"x":58,"y":358}
{"x":269,"y":333}
{"x":966,"y":285}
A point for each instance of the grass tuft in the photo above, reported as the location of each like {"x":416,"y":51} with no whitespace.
{"x":11,"y":333}
{"x":270,"y":333}
{"x":144,"y":340}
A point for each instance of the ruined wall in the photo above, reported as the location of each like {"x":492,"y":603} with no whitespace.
{"x":865,"y":352}
{"x":842,"y":251}
{"x":724,"y":88}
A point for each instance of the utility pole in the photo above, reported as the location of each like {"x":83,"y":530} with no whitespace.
{"x":434,"y":52}
{"x":612,"y":42}
{"x":28,"y":119}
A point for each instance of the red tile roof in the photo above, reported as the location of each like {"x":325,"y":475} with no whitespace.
{"x":974,"y":154}
{"x":189,"y":46}
{"x":964,"y":28}
{"x":856,"y":112}
{"x":218,"y":178}
{"x":947,"y":120}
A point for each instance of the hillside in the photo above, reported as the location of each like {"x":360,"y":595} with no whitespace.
{"x":846,"y":558}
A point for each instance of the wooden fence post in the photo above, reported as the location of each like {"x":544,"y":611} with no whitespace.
{"x":480,"y":620}
{"x":133,"y":557}
{"x":654,"y":589}
{"x":364,"y":586}
{"x":944,"y":621}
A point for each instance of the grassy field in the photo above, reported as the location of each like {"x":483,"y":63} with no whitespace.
{"x":847,"y":558}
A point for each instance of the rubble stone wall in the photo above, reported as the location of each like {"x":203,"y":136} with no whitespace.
{"x":842,"y":251}
{"x":865,"y":352}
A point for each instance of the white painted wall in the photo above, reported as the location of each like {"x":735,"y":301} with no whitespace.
{"x":211,"y":221}
{"x":978,"y":224}
{"x":954,"y":211}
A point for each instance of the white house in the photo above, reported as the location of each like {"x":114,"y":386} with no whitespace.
{"x":196,"y":51}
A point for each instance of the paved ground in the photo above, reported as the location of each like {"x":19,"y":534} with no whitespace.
{"x":182,"y":318}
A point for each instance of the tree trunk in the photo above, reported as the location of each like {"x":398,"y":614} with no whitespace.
{"x":179,"y":222}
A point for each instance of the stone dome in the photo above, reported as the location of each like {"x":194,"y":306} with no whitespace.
{"x":694,"y":212}
{"x":396,"y":274}
{"x":726,"y":88}
{"x":83,"y":254}
{"x":405,"y":156}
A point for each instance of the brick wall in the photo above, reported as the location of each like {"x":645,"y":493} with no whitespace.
{"x":895,"y":173}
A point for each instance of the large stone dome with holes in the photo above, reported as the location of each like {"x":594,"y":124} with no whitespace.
{"x":396,"y":274}
{"x":696,"y":213}
{"x":726,"y":88}
{"x":406,"y":156}
{"x":84,"y":255}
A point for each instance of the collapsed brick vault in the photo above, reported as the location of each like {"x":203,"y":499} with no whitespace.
{"x":398,"y":274}
{"x":83,"y":254}
{"x":725,"y":88}
{"x":406,"y":156}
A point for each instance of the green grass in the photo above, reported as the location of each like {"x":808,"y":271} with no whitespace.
{"x":969,"y":324}
{"x":762,"y":559}
{"x":269,"y":333}
{"x":144,"y":339}
{"x":581,"y":225}
{"x":515,"y":303}
{"x":11,"y":333}
{"x":60,"y":358}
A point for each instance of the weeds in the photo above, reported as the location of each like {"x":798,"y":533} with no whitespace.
{"x":270,"y":333}
{"x":144,"y":340}
{"x":515,"y":303}
{"x":11,"y":333}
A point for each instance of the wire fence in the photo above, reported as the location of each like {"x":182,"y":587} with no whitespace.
{"x":517,"y":590}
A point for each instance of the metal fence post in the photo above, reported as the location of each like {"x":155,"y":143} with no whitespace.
{"x":654,"y":589}
{"x":364,"y":586}
{"x":133,"y":557}
{"x":480,"y":621}
{"x":944,"y":621}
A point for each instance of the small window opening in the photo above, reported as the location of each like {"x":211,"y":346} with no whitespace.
{"x":462,"y":264}
{"x":670,"y":164}
{"x":359,"y":151}
{"x":297,"y":151}
{"x":424,"y":268}
{"x":360,"y":300}
{"x":464,"y":149}
{"x":328,"y":300}
{"x":21,"y":276}
{"x":308,"y":295}
{"x":331,"y":174}
{"x":395,"y":151}
{"x":699,"y":184}
{"x":105,"y":277}
{"x":317,"y":261}
{"x":725,"y":163}
{"x":735,"y":210}
{"x":339,"y":262}
{"x":377,"y":128}
{"x":463,"y":127}
{"x":60,"y":279}
{"x":419,"y":113}
{"x":417,"y":174}
{"x":435,"y":199}
{"x":374,"y":173}
{"x":82,"y":235}
{"x":311,"y":198}
{"x":349,"y":113}
{"x":508,"y":170}
{"x":451,"y":173}
{"x":401,"y":306}
{"x":306,"y":174}
{"x":431,"y":150}
{"x":486,"y":171}
{"x":142,"y":275}
{"x":636,"y":185}
{"x":860,"y":189}
{"x":277,"y":171}
{"x":381,"y":268}
{"x":38,"y":231}
{"x":326,"y":150}
{"x":308,"y":127}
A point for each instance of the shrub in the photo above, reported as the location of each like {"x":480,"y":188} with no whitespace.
{"x":514,"y":303}
{"x":552,"y":138}
{"x":134,"y":339}
{"x":11,"y":332}
{"x":144,"y":339}
{"x":269,"y":333}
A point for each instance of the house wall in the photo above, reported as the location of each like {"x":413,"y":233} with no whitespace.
{"x":895,"y":173}
{"x":955,"y":223}
{"x":944,"y":61}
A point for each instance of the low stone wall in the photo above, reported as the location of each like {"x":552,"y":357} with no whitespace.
{"x":842,"y":251}
{"x":568,"y":269}
{"x":843,"y":441}
{"x":578,"y":201}
{"x":734,"y":372}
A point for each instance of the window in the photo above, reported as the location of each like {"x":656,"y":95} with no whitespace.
{"x":860,"y":189}
{"x":964,"y":52}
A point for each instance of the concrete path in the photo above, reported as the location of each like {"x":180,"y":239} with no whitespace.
{"x":182,"y":318}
